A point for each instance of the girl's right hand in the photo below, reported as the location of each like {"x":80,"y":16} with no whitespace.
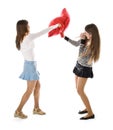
{"x":82,"y":36}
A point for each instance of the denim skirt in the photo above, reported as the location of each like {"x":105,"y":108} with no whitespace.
{"x":30,"y":71}
{"x":82,"y":71}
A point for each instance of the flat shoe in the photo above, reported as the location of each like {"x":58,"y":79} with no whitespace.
{"x":86,"y":118}
{"x":38,"y":111}
{"x":20,"y":115}
{"x":83,"y":112}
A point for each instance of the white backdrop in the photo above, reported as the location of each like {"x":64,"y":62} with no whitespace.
{"x":56,"y":59}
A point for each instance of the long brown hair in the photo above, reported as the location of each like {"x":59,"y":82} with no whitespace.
{"x":22,"y":29}
{"x":94,"y":47}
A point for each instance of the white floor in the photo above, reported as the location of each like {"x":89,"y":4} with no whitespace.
{"x":56,"y":59}
{"x":59,"y":100}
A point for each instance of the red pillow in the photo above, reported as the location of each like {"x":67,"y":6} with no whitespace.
{"x":64,"y":20}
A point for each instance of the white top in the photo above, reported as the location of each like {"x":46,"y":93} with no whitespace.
{"x":27,"y":45}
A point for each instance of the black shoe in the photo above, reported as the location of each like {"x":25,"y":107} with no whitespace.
{"x":83,"y":112}
{"x":86,"y":118}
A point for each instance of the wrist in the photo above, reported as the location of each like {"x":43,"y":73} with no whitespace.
{"x":66,"y":38}
{"x":83,"y":41}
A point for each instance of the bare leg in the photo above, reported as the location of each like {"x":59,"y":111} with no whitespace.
{"x":37,"y":109}
{"x":80,"y":89}
{"x":36,"y":94}
{"x":76,"y":80}
{"x":26,"y":95}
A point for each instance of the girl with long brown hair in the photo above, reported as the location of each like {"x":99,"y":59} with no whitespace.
{"x":25,"y":43}
{"x":89,"y":52}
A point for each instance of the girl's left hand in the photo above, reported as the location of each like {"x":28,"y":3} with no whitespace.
{"x":59,"y":25}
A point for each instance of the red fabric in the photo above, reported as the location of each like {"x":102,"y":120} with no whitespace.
{"x":64,"y":20}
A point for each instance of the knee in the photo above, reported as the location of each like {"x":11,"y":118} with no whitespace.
{"x":37,"y":88}
{"x":29,"y":91}
{"x":80,"y":91}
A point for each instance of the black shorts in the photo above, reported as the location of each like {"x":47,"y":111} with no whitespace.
{"x":82,"y":71}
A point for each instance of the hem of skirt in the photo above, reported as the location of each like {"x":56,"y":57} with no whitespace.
{"x":82,"y":75}
{"x":29,"y":79}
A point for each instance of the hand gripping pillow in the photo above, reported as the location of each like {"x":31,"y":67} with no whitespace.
{"x":64,"y":20}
